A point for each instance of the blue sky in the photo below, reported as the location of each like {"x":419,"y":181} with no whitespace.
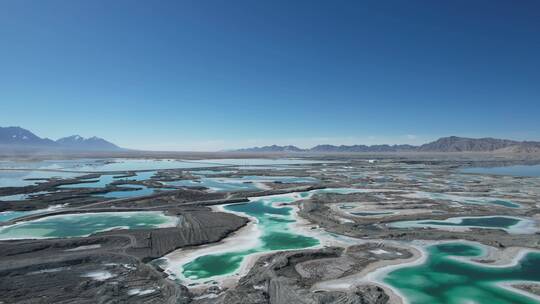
{"x":210,"y":75}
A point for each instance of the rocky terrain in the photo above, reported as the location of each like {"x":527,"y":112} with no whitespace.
{"x":355,"y":229}
{"x":289,"y":277}
{"x":77,"y":270}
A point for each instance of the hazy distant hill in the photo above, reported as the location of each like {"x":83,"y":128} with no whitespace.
{"x":362,"y":148}
{"x":523,"y":147}
{"x":463,"y":144}
{"x":332,"y":148}
{"x":273,"y":148}
{"x":444,"y":144}
{"x":92,"y":143}
{"x":17,"y":138}
{"x":20,"y":136}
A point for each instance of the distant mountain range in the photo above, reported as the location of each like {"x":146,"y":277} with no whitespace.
{"x":273,"y":148}
{"x":444,"y":144}
{"x":17,"y":138}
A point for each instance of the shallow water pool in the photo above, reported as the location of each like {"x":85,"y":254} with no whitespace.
{"x":442,"y":279}
{"x":85,"y":224}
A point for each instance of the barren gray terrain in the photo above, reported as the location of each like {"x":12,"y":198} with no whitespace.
{"x":125,"y":265}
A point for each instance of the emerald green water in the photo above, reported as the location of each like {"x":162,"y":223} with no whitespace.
{"x":507,"y":223}
{"x":273,"y":220}
{"x":493,"y":222}
{"x":276,"y":235}
{"x":442,"y":279}
{"x":84,"y":224}
{"x":504,"y":203}
{"x":465,"y":199}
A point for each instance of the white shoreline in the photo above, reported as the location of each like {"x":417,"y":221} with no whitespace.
{"x":171,"y":221}
{"x":375,"y":272}
{"x":523,"y":226}
{"x":232,"y":243}
{"x":244,"y":239}
{"x":372,"y":274}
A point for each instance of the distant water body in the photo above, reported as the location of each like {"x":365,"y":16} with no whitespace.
{"x":120,"y":164}
{"x":519,"y":170}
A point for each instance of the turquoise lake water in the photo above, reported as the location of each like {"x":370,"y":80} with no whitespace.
{"x":490,"y":222}
{"x":21,"y":197}
{"x":510,"y":224}
{"x":106,"y":179}
{"x":273,"y":219}
{"x":9,"y":215}
{"x":100,"y":182}
{"x":275,"y":236}
{"x":120,"y":164}
{"x":85,"y":224}
{"x":465,"y":199}
{"x":520,"y":170}
{"x":138,"y":190}
{"x":13,"y":178}
{"x":445,"y":280}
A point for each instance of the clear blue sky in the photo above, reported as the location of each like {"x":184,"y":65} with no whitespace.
{"x":207,"y":75}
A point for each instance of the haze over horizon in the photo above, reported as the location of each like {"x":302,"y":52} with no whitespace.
{"x":207,"y":76}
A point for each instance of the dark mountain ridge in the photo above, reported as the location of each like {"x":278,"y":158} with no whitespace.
{"x":273,"y":148}
{"x":463,"y":144}
{"x":92,"y":143}
{"x":17,"y":138}
{"x":444,"y":144}
{"x":20,"y":139}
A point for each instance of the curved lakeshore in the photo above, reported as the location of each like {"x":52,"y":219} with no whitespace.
{"x":85,"y":224}
{"x":421,"y":278}
{"x":266,"y":234}
{"x":512,"y":225}
{"x":274,"y":219}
